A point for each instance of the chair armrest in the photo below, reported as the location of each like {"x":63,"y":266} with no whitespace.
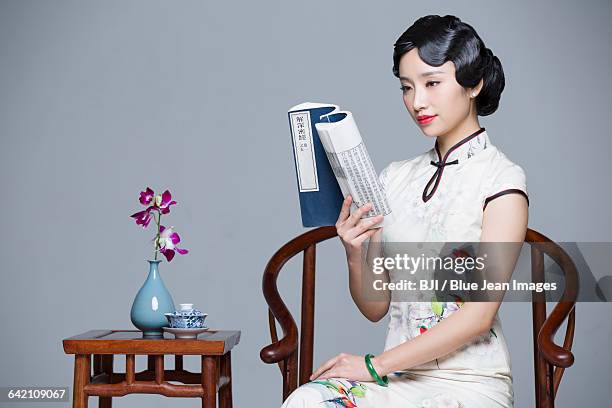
{"x":280,"y":350}
{"x":553,"y":353}
{"x":277,"y":310}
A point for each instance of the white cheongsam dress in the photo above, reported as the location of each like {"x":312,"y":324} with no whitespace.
{"x":435,"y":199}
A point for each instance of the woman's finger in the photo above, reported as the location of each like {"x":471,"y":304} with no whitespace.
{"x":362,"y":226}
{"x":320,"y":371}
{"x":377,"y":235}
{"x":345,"y":210}
{"x":365,"y":224}
{"x":352,"y":220}
{"x":357,"y":214}
{"x":331,"y":373}
{"x":359,"y":240}
{"x":324,"y":367}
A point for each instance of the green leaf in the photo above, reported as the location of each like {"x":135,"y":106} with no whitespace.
{"x":357,"y":391}
{"x":436,"y":306}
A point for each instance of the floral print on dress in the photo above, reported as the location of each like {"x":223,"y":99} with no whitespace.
{"x":432,"y":213}
{"x":476,"y":144}
{"x":348,"y":391}
{"x":484,"y":345}
{"x":425,"y":315}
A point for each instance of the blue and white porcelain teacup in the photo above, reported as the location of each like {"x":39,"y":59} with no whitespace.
{"x":186,"y":317}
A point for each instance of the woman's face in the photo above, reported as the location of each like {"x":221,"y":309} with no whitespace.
{"x":433,"y":91}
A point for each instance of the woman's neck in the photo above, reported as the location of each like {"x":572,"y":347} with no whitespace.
{"x":454,"y":136}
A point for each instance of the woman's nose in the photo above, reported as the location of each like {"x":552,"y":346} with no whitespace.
{"x":420,"y":100}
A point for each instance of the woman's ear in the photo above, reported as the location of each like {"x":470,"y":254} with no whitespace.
{"x":476,"y":90}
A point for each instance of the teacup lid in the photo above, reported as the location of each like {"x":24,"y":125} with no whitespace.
{"x":187,"y":309}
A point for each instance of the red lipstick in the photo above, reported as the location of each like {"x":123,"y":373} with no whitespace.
{"x":425,"y":119}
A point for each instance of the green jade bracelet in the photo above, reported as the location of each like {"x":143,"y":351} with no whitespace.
{"x":381,"y":381}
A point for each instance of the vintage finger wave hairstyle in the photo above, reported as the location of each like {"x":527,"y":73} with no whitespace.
{"x":440,"y":39}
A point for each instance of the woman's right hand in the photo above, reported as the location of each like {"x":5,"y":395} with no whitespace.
{"x":352,"y":230}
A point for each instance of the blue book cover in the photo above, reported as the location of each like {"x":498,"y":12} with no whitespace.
{"x":319,"y":192}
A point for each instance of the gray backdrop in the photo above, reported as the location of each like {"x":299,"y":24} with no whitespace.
{"x":100,"y":99}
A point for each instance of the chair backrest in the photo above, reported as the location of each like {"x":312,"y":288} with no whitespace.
{"x":550,"y":359}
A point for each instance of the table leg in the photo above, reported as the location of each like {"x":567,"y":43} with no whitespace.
{"x":82,"y":373}
{"x":225,"y":393}
{"x":209,"y":380}
{"x":103,"y":363}
{"x":178,"y":362}
{"x":107,"y":367}
{"x":105,"y":402}
{"x":130,"y":368}
{"x":97,"y":363}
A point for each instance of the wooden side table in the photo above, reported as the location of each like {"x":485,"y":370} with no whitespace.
{"x":213,"y":345}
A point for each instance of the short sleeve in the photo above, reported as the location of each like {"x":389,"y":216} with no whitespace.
{"x":509,"y":179}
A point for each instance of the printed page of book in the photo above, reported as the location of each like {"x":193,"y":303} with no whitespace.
{"x":351,"y":163}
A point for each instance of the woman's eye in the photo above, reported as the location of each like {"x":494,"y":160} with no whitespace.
{"x":405,"y":88}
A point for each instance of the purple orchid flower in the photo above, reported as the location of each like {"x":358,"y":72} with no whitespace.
{"x":160,"y":203}
{"x":146,"y":196}
{"x":163,"y":202}
{"x":143,"y":217}
{"x":168,"y":241}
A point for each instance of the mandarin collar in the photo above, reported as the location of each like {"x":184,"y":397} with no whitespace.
{"x":463,"y":149}
{"x":459,"y":152}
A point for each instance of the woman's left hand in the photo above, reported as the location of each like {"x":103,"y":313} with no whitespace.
{"x":347,"y":366}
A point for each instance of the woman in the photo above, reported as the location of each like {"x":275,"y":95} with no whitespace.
{"x":464,"y":189}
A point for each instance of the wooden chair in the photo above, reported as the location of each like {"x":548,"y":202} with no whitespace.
{"x":550,"y":359}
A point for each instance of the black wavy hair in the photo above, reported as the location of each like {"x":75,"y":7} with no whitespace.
{"x":440,"y":39}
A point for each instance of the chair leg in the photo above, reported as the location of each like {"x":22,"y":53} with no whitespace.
{"x":82,"y":375}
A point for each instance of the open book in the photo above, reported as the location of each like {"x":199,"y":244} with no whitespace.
{"x":332,"y":162}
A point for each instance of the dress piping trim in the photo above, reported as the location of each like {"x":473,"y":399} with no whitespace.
{"x":437,"y":176}
{"x":504,"y":192}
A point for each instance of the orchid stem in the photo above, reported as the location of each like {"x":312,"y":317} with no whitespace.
{"x":158,"y":220}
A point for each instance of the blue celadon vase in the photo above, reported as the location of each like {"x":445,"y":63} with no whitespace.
{"x":150,"y":304}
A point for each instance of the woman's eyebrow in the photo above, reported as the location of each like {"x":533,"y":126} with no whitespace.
{"x":424,"y":74}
